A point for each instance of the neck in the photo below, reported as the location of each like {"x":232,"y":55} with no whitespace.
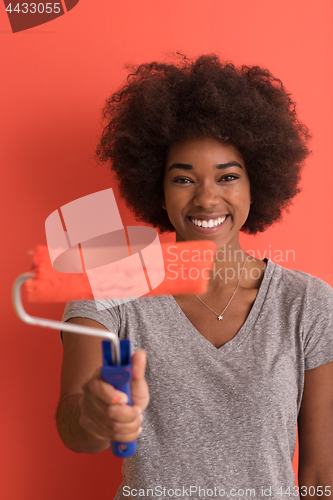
{"x":228,"y":267}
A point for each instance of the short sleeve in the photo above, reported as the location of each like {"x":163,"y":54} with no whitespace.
{"x":318,"y":324}
{"x":109,"y":318}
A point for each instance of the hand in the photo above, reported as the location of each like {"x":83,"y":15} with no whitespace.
{"x":104,"y":412}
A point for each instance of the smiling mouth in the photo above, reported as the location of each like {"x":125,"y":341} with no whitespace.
{"x":209,"y":223}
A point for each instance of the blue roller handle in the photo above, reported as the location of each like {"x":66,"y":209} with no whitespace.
{"x":120,"y":378}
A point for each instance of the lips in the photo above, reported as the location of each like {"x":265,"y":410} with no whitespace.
{"x":207,"y":217}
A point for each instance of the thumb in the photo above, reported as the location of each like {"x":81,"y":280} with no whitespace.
{"x":139,"y":386}
{"x":139,"y":360}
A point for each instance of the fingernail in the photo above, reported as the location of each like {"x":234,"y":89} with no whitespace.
{"x":140,"y":430}
{"x":118,"y":399}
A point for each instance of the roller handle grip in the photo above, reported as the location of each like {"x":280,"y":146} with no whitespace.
{"x":120,"y":378}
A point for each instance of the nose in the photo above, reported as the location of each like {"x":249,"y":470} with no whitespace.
{"x":206,"y":196}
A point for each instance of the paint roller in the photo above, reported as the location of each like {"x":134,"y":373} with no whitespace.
{"x":116,"y":266}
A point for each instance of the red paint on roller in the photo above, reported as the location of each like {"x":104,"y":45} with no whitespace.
{"x":186,"y":264}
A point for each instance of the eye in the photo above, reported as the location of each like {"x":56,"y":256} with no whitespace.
{"x":182,"y":180}
{"x":228,"y":178}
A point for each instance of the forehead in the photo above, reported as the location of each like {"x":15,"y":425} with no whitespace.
{"x":207,"y":150}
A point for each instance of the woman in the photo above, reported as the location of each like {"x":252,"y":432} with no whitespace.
{"x":208,"y":150}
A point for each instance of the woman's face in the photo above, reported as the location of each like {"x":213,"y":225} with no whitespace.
{"x":206,"y":191}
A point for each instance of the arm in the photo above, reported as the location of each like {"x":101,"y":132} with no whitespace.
{"x":315,"y":434}
{"x":89,"y":415}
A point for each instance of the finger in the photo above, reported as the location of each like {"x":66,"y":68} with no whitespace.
{"x":127,"y":431}
{"x":102,"y":397}
{"x":123,"y":413}
{"x":139,"y":386}
{"x":101,"y":393}
{"x":139,"y":360}
{"x":116,"y":431}
{"x":104,"y":427}
{"x":109,"y":414}
{"x":127,"y":438}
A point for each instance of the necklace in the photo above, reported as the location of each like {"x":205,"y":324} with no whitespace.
{"x":220,"y":316}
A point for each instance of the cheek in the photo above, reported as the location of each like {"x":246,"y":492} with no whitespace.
{"x":241,"y":200}
{"x":238,"y":196}
{"x":173,"y":198}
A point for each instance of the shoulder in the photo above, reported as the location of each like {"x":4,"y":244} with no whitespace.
{"x":309,"y":301}
{"x":103,"y":311}
{"x":296,"y":283}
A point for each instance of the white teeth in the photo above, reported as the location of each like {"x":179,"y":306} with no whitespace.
{"x":209,"y":223}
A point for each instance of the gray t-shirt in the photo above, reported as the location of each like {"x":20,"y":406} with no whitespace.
{"x":221,"y":423}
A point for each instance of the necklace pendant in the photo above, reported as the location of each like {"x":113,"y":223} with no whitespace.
{"x":220,"y":317}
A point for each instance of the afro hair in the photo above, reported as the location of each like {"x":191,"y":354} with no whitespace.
{"x":162,"y":104}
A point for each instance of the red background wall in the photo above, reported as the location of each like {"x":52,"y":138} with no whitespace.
{"x":54,"y":80}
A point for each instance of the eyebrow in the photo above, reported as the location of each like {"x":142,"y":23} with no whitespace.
{"x":185,"y":166}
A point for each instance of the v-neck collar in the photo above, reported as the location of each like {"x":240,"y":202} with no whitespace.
{"x":245,"y":329}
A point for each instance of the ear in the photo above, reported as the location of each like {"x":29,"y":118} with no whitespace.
{"x":163,"y":204}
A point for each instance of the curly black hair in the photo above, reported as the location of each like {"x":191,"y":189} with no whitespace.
{"x":162,"y":104}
